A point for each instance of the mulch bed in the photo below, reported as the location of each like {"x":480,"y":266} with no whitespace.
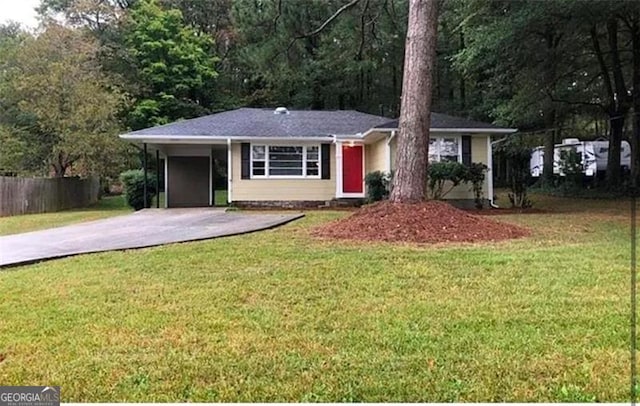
{"x":504,"y":211}
{"x":426,"y":222}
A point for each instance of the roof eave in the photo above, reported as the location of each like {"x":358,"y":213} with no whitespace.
{"x":454,"y":130}
{"x":207,"y":139}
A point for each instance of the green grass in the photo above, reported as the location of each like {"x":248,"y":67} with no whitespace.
{"x":280,"y":316}
{"x":106,"y":207}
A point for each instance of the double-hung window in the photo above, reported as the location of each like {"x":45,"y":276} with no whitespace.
{"x":445,"y":149}
{"x":285,"y":161}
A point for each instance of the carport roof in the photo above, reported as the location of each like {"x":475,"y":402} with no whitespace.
{"x":256,"y":122}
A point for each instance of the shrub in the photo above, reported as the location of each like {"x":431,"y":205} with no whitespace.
{"x":475,"y":176}
{"x":133,"y":182}
{"x":571,"y":167}
{"x":438,"y":173}
{"x":378,"y":185}
{"x":517,"y":154}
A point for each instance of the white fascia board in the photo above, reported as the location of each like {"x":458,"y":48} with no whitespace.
{"x":155,"y":139}
{"x":475,"y":130}
{"x":348,"y":137}
{"x":281,"y":140}
{"x":455,"y":130}
{"x":375,"y":130}
{"x":208,"y":139}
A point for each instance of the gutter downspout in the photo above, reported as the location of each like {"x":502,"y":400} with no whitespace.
{"x":388,"y":148}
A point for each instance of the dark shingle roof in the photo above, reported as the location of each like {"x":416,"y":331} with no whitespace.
{"x":439,"y":120}
{"x":252,"y":122}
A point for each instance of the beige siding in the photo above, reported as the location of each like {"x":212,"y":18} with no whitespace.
{"x":478,"y":154}
{"x":375,"y":156}
{"x":479,"y":149}
{"x":280,"y":189}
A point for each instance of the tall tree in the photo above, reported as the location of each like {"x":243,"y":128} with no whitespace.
{"x":173,"y":66}
{"x":57,"y":81}
{"x":514,"y":55}
{"x":290,"y":56}
{"x":633,"y":22}
{"x":409,"y":182}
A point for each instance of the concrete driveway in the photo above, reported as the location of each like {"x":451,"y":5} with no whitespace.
{"x":145,"y":228}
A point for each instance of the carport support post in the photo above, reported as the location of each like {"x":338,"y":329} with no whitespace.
{"x":157,"y":178}
{"x":144,"y":170}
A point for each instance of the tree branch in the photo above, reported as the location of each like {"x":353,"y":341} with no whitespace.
{"x":324,"y":24}
{"x":275,"y":21}
{"x":330,"y":19}
{"x":362,"y":27}
{"x":603,"y":65}
{"x":575,"y":102}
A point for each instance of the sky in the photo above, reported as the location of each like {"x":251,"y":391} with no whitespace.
{"x":21,"y":11}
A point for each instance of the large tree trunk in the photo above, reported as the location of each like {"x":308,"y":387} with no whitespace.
{"x":614,"y":174}
{"x":547,"y":163}
{"x":552,"y":40}
{"x":60,"y":166}
{"x":635,"y":78}
{"x":618,"y":100}
{"x":620,"y":106}
{"x":409,"y":182}
{"x":463,"y":92}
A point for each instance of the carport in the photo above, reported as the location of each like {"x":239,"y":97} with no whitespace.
{"x":189,"y":172}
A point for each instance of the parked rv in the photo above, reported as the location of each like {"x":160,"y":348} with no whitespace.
{"x":593,"y":154}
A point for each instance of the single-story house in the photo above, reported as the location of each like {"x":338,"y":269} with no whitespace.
{"x":299,"y":157}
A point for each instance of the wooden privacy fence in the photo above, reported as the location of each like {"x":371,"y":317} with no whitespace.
{"x":41,"y":195}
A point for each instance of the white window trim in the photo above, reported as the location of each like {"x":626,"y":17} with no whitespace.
{"x":439,"y":139}
{"x":304,"y":162}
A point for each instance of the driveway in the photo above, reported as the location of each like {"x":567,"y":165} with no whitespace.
{"x":145,"y":228}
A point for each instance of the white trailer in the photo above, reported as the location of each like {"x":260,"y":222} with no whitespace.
{"x":593,"y":154}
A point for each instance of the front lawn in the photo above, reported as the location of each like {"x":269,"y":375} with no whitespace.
{"x":279,"y":316}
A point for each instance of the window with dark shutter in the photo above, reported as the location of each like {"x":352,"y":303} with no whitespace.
{"x":245,"y":171}
{"x":325,"y":155}
{"x":466,"y":150}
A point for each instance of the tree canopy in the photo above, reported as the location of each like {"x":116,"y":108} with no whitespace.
{"x":553,"y":69}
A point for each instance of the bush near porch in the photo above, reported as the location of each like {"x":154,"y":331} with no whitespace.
{"x":280,"y":316}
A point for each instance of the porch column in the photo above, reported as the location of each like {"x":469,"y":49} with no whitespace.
{"x":144,"y":170}
{"x":212,"y":190}
{"x":157,"y":178}
{"x":229,"y":172}
{"x":338,"y":169}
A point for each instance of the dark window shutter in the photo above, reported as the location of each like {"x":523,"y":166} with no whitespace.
{"x":466,"y":150}
{"x":325,"y":154}
{"x":246,"y":161}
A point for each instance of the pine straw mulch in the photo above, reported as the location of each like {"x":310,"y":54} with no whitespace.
{"x":425,"y":222}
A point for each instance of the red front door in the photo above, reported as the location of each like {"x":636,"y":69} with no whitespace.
{"x":352,"y":175}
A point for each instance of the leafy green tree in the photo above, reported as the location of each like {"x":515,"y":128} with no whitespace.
{"x":549,"y":65}
{"x":513,"y":54}
{"x":13,"y":150}
{"x":97,"y":15}
{"x":173,"y":66}
{"x":55,"y":81}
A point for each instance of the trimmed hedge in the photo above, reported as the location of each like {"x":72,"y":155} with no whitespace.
{"x":378,"y":186}
{"x":133,"y":182}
